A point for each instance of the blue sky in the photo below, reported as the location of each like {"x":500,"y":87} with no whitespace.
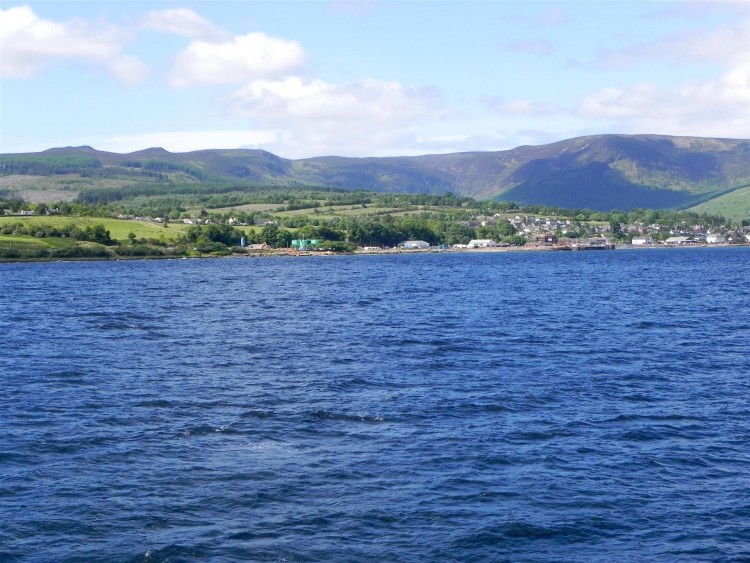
{"x":367,"y":78}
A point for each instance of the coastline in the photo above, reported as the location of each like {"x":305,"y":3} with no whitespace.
{"x":289,"y":253}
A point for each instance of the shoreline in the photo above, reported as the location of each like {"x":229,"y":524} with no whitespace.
{"x":288,"y":253}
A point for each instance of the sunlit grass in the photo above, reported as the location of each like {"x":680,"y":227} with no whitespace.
{"x":118,"y":228}
{"x":734,"y":206}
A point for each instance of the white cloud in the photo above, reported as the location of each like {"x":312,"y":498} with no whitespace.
{"x":717,"y":106}
{"x":617,"y":103}
{"x":185,"y":22}
{"x":363,"y":101}
{"x":685,"y":48}
{"x":243,"y":58}
{"x":128,"y":69}
{"x":314,"y":116}
{"x":29,"y":44}
{"x":714,"y":108}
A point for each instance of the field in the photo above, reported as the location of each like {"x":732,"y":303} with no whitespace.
{"x":36,"y":247}
{"x":45,"y":247}
{"x":118,"y":228}
{"x":735,"y":206}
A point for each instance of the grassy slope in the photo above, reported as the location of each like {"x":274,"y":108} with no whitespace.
{"x":734,"y":206}
{"x":26,"y":243}
{"x":117,"y":228}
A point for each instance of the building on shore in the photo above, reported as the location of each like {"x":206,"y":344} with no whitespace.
{"x":305,"y":244}
{"x":414,"y":245}
{"x":640,"y":241}
{"x":679,"y":241}
{"x":481,"y":243}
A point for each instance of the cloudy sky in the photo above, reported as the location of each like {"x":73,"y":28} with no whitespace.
{"x":367,"y":78}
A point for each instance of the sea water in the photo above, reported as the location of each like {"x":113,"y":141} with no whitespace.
{"x":579,"y":406}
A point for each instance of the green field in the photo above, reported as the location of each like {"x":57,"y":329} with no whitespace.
{"x":118,"y":228}
{"x":29,"y":243}
{"x":27,"y":247}
{"x":735,"y":206}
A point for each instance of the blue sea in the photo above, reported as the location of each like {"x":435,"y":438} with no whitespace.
{"x":519,"y":406}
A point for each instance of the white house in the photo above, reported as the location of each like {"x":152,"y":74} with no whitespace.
{"x":415,"y":244}
{"x":640,"y":241}
{"x":715,"y":239}
{"x":481,"y":243}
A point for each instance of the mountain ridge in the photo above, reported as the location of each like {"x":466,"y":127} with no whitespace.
{"x":605,"y":172}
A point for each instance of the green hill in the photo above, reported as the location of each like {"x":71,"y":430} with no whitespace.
{"x":735,"y":205}
{"x":601,"y":172}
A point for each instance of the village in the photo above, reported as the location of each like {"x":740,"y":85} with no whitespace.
{"x":550,"y":231}
{"x":419,"y":228}
{"x":558,"y":234}
{"x":538,"y":233}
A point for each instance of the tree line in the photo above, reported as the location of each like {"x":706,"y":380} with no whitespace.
{"x":91,"y":233}
{"x":47,"y":165}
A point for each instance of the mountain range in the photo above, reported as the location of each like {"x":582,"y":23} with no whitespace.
{"x":601,"y":172}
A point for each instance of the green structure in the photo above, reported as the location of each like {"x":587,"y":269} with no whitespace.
{"x":305,"y":244}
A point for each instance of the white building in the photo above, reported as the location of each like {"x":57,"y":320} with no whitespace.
{"x":640,"y":241}
{"x":481,"y":243}
{"x":415,"y":244}
{"x":715,"y":239}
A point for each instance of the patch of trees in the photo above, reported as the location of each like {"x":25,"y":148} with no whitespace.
{"x":91,"y":233}
{"x":236,"y":193}
{"x":12,"y":204}
{"x":337,"y":246}
{"x":119,"y":172}
{"x":273,"y":236}
{"x":209,"y":238}
{"x":389,"y":231}
{"x":295,"y":205}
{"x":32,"y":252}
{"x":445,"y":200}
{"x":383,"y":230}
{"x":163,"y":166}
{"x":105,"y":195}
{"x":668,"y":217}
{"x":47,"y":165}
